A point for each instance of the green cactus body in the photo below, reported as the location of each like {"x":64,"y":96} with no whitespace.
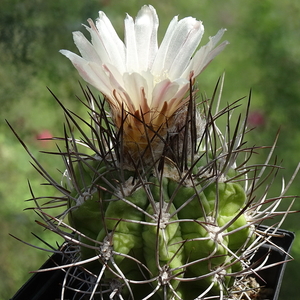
{"x":171,"y":228}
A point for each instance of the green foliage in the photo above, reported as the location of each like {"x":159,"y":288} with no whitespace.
{"x":264,"y":55}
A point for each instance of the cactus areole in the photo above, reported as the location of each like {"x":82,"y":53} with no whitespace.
{"x":159,"y":206}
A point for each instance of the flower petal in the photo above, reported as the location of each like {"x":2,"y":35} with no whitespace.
{"x":86,"y":49}
{"x":167,"y":91}
{"x":206,"y":54}
{"x":106,"y":42}
{"x":159,"y":61}
{"x":180,"y":42}
{"x":184,"y":49}
{"x":91,"y":72}
{"x":146,"y":25}
{"x":141,"y":39}
{"x":136,"y":87}
{"x":132,"y":61}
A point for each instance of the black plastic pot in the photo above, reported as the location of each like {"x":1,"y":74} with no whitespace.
{"x":44,"y":285}
{"x":273,"y":276}
{"x":47,"y":285}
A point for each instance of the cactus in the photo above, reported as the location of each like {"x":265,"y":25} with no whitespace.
{"x":160,"y":203}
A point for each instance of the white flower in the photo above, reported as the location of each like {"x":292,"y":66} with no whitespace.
{"x":136,"y":75}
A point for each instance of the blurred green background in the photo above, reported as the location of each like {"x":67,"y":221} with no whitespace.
{"x":263,"y":55}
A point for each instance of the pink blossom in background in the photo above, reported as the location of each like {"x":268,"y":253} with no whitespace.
{"x":256,"y":119}
{"x":43,"y":137}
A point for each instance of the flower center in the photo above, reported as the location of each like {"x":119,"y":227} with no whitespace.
{"x":157,"y":78}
